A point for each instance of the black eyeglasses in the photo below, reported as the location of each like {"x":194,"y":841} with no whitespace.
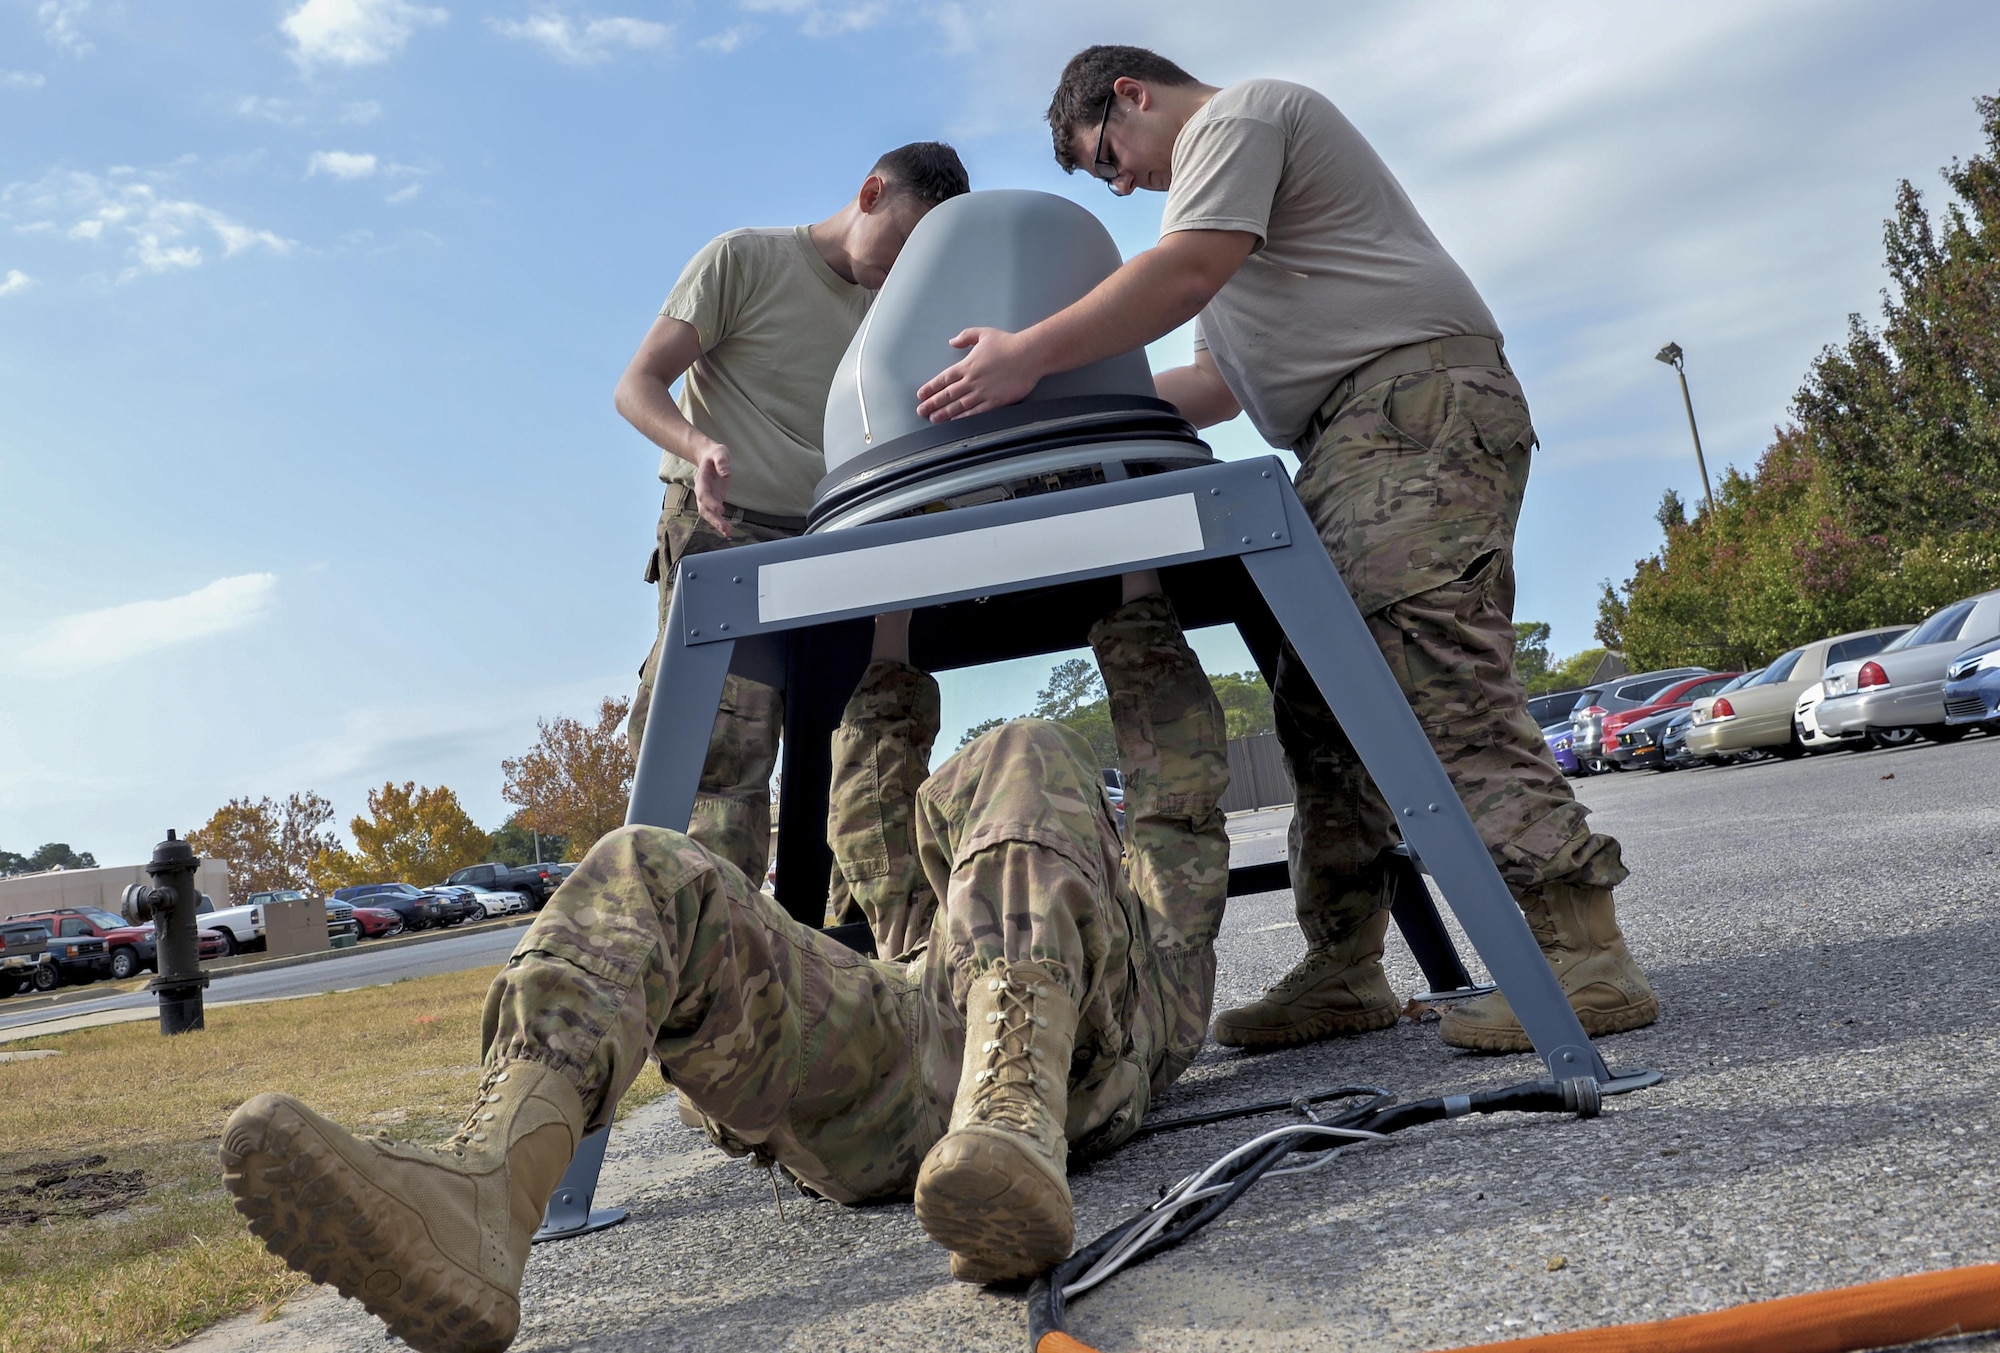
{"x":1105,"y":169}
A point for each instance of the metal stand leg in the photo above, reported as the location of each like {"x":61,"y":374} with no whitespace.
{"x":1316,"y":612}
{"x":569,"y":1212}
{"x":1423,"y":930}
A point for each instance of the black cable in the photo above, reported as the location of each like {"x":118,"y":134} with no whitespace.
{"x":1046,"y":1303}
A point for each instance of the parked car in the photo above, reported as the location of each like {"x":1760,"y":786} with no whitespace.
{"x":1805,"y":716}
{"x":24,"y":954}
{"x":1757,"y":716}
{"x":455,"y":904}
{"x":1903,"y":685}
{"x":1972,"y":686}
{"x":1674,"y":695}
{"x":507,"y":903}
{"x":1672,"y":735}
{"x":536,"y":880}
{"x":1561,"y":738}
{"x":1553,"y":708}
{"x":1640,"y":745}
{"x":132,"y":946}
{"x":378,"y":922}
{"x":419,"y":910}
{"x":1615,"y":696}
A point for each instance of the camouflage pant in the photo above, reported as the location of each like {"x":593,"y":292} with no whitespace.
{"x":1415,"y":487}
{"x":843,"y":1068}
{"x":732,"y":807}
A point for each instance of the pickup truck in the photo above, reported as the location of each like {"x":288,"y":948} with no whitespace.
{"x":24,"y":952}
{"x":536,"y":880}
{"x":243,"y":927}
{"x":62,"y":958}
{"x":132,"y":946}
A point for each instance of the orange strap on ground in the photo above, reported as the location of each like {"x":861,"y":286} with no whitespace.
{"x":1055,"y":1341}
{"x":1873,"y":1315}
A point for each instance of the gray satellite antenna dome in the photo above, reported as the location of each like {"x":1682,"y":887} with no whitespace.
{"x":1008,"y":259}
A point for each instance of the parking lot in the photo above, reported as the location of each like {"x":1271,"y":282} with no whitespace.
{"x":1822,"y":936}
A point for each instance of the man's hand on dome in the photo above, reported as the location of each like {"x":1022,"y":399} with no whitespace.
{"x":1000,"y":370}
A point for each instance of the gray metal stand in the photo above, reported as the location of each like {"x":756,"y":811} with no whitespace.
{"x":1029,"y":576}
{"x":569,"y":1212}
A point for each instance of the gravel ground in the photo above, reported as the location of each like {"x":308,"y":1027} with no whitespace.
{"x":1822,"y":937}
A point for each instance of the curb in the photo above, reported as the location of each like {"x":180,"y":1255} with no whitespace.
{"x":222,"y":968}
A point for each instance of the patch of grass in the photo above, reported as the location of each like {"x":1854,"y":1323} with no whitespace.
{"x":171,"y":1256}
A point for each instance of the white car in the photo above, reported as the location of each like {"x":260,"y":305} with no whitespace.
{"x":500,"y":904}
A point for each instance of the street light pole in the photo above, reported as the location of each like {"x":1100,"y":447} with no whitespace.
{"x":1675,"y":358}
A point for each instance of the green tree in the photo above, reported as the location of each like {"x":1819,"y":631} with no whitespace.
{"x":1531,"y":652}
{"x":412,"y":834}
{"x":1246,"y":703}
{"x":269,"y":845}
{"x":514,"y":844}
{"x":1881,"y":501}
{"x":53,"y":855}
{"x":1569,"y":674}
{"x":983,"y":726}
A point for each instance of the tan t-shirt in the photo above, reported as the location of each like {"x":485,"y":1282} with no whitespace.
{"x":1344,"y":270}
{"x":774,"y":321}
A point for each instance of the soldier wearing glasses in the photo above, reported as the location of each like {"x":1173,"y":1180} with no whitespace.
{"x":1328,"y":312}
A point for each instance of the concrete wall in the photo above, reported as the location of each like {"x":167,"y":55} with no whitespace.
{"x":98,"y":887}
{"x":1257,"y":776}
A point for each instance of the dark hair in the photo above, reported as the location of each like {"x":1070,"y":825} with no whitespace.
{"x":929,"y":171}
{"x":1086,"y":84}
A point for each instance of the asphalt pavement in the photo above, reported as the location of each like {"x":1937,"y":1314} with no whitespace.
{"x":1823,"y":938}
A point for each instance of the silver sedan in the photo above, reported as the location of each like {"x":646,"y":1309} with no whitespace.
{"x":1903,"y":685}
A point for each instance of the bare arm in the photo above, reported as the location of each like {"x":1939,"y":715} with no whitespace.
{"x":645,"y":398}
{"x":1153,"y":294}
{"x":1198,"y":391}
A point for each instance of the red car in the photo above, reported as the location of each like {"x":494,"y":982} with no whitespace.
{"x":377,"y":921}
{"x":1678,"y":695}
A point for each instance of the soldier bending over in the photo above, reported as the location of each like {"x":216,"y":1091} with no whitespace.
{"x":1046,"y":982}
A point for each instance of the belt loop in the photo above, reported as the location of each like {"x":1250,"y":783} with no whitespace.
{"x":1437,"y":354}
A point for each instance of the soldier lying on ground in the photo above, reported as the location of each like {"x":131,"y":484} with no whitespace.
{"x":1058,"y":981}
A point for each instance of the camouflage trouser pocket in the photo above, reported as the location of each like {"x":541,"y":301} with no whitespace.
{"x":1452,"y":649}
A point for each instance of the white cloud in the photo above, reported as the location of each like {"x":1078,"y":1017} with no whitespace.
{"x":22,"y":79}
{"x":729,"y":39}
{"x":367,"y":110}
{"x":15,"y":281}
{"x":93,"y":639}
{"x":58,"y":19}
{"x":265,"y":109}
{"x":404,"y":193}
{"x":341,"y":164}
{"x":163,"y":233}
{"x":582,"y":42}
{"x":819,"y":20}
{"x":355,"y":32}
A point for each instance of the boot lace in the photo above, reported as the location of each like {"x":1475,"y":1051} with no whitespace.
{"x":472,"y":1131}
{"x":1012,"y":1080}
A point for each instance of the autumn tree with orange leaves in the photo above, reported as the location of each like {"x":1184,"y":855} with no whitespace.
{"x":577,"y":778}
{"x":412,"y":834}
{"x":268,"y":845}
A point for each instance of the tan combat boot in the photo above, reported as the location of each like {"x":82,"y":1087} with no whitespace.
{"x":1577,"y":929}
{"x":432,"y":1239}
{"x":994,"y":1190}
{"x":1335,"y":989}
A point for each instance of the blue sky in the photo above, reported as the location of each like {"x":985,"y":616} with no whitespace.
{"x":310,"y":315}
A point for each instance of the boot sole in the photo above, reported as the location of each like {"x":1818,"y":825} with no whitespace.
{"x":312,"y":1208}
{"x":989,"y":1202}
{"x":1596,"y":1023}
{"x":1333,"y":1024}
